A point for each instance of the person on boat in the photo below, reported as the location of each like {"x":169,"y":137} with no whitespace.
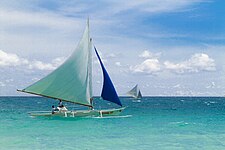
{"x":53,"y":109}
{"x":91,"y":101}
{"x":61,"y":108}
{"x":60,"y":105}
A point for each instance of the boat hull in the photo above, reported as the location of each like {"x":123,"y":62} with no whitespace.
{"x":79,"y":113}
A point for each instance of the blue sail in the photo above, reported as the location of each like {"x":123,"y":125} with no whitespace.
{"x":108,"y":90}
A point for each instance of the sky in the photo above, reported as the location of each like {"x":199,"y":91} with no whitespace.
{"x":167,"y":47}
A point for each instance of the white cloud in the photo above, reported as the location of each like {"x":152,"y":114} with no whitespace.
{"x":177,"y":86}
{"x":9,"y":80}
{"x":148,"y":54}
{"x":148,"y":66}
{"x":152,"y":6}
{"x":118,"y":64}
{"x":2,"y":84}
{"x":41,"y":66}
{"x":36,"y":19}
{"x":111,"y":55}
{"x":42,"y":32}
{"x":9,"y":59}
{"x":198,"y":62}
{"x":46,"y":66}
{"x":12,"y":60}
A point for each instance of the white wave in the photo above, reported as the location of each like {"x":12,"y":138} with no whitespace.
{"x":182,"y":123}
{"x":126,"y":116}
{"x":136,"y":101}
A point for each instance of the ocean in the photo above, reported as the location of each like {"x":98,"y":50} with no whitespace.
{"x":157,"y":123}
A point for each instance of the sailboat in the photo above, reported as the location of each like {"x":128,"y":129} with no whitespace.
{"x":135,"y":92}
{"x":72,"y":82}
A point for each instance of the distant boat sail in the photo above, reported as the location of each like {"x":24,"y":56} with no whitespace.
{"x":72,"y":82}
{"x":135,"y":92}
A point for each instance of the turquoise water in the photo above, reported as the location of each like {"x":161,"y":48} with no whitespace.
{"x":162,"y":123}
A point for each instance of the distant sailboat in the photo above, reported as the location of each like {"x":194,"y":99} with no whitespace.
{"x":72,"y":82}
{"x":135,"y":92}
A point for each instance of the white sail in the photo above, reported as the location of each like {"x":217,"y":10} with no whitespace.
{"x":71,"y":81}
{"x":135,"y":92}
